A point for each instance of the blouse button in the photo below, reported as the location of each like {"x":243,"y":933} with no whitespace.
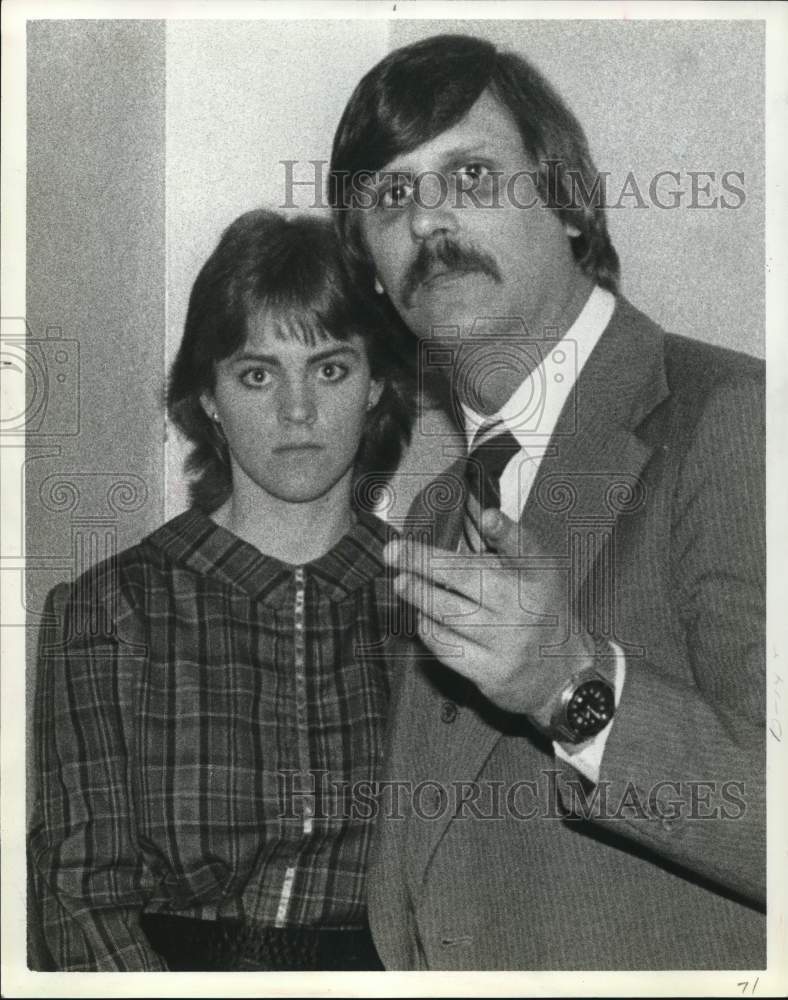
{"x":448,"y":711}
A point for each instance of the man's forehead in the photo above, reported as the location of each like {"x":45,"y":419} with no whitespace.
{"x":486,"y":129}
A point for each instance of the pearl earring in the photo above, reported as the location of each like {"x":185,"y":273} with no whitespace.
{"x":378,"y":287}
{"x":572,"y":231}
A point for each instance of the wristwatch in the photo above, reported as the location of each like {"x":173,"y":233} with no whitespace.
{"x":585,"y":706}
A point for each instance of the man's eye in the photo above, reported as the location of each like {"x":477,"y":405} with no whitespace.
{"x":396,"y":195}
{"x":330,"y":371}
{"x":472,"y":173}
{"x":255,"y":378}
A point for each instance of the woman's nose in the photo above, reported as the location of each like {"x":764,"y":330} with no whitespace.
{"x":297,"y":403}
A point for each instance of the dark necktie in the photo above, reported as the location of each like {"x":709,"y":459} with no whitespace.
{"x":493,"y":448}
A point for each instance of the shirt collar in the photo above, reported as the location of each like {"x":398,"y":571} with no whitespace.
{"x":532,"y":410}
{"x":195,"y":541}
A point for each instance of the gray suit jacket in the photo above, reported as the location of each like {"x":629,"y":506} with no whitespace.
{"x":497,"y":856}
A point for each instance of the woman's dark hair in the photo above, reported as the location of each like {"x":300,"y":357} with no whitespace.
{"x":291,"y":267}
{"x":419,"y":91}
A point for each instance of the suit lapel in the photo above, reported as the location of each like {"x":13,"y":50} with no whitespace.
{"x":590,"y":477}
{"x":591,"y":474}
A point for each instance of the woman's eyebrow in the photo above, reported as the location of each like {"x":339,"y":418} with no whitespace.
{"x":266,"y":359}
{"x":275,"y":359}
{"x":332,"y":352}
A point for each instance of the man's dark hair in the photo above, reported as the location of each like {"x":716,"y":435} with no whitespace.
{"x":292,"y":269}
{"x":419,"y":91}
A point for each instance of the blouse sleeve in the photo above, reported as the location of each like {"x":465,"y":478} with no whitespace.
{"x":89,"y":873}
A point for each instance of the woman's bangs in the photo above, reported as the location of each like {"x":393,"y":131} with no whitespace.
{"x":306,"y":326}
{"x":328,"y":316}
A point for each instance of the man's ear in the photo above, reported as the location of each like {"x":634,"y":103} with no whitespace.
{"x":375,"y":392}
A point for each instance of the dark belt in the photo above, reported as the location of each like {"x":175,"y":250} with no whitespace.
{"x":189,"y":945}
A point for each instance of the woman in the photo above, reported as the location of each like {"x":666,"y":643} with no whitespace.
{"x":211,"y":706}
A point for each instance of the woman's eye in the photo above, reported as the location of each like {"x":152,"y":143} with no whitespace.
{"x":256,"y":377}
{"x":330,"y":371}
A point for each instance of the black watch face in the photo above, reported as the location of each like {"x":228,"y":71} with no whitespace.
{"x":590,"y":708}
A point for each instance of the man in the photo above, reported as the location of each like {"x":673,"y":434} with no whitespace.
{"x":579,"y":730}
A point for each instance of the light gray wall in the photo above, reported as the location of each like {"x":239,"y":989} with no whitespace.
{"x":96,"y":258}
{"x":95,"y":292}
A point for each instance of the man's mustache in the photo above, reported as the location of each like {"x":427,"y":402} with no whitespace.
{"x":453,"y":257}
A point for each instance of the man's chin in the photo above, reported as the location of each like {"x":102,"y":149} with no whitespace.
{"x":452,"y":308}
{"x":444,"y":326}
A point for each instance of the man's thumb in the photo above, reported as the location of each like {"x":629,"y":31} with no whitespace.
{"x":499,"y":532}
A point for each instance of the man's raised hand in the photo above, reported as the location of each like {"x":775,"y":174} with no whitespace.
{"x":501,"y":619}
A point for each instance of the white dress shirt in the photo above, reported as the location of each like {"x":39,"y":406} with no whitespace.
{"x":530,"y":414}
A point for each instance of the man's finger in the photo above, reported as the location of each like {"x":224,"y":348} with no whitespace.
{"x":436,"y":602}
{"x":457,"y":572}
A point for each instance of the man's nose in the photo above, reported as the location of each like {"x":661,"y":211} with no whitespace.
{"x":297,"y":403}
{"x":432,"y":210}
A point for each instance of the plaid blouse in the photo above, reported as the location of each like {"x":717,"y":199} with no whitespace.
{"x":209,"y":722}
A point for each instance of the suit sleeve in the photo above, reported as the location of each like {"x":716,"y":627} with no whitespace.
{"x":89,"y":873}
{"x":685,"y":758}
